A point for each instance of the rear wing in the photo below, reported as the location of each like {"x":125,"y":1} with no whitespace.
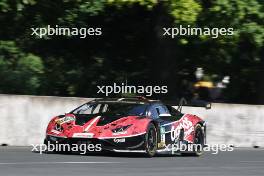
{"x":191,"y":103}
{"x":199,"y":103}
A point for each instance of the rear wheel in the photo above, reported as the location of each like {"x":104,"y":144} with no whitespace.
{"x":198,"y":141}
{"x":151,"y":141}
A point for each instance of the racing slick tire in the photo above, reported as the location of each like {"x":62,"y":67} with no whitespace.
{"x":150,"y":143}
{"x":199,"y":138}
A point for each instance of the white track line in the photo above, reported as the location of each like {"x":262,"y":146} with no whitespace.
{"x":251,"y":161}
{"x":89,"y":162}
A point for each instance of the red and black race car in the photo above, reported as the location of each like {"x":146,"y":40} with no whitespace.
{"x":130,"y":125}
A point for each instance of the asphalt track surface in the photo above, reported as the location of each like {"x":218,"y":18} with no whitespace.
{"x":20,"y":161}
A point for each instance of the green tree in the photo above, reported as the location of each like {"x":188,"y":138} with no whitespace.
{"x":19,"y":72}
{"x":132,"y":46}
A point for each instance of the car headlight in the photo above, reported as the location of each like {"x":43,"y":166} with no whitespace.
{"x":58,"y":127}
{"x":121,"y":130}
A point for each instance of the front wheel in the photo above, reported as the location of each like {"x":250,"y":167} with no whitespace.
{"x":151,"y":140}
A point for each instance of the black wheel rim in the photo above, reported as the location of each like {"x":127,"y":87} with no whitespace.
{"x":199,"y":139}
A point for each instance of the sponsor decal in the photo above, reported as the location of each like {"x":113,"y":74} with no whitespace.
{"x":162,"y":137}
{"x":185,"y":124}
{"x":119,"y":140}
{"x":119,"y":133}
{"x":83,"y":135}
{"x":66,"y":119}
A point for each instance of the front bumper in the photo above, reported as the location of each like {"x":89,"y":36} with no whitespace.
{"x":110,"y":144}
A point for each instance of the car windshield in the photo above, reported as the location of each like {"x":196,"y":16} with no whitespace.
{"x":112,"y":109}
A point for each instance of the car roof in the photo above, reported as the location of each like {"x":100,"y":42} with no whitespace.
{"x":136,"y":100}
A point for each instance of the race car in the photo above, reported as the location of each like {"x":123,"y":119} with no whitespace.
{"x":132,"y":124}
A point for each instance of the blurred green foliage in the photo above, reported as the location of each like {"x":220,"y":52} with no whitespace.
{"x":132,"y":46}
{"x":19,"y":71}
{"x":184,"y":10}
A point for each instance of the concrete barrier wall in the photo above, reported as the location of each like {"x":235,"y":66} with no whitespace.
{"x":240,"y":125}
{"x":24,"y":120}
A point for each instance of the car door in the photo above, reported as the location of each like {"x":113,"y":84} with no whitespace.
{"x":168,"y":124}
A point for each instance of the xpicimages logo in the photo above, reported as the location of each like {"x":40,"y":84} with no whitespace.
{"x":65,"y":31}
{"x":172,"y":32}
{"x":213,"y":148}
{"x":123,"y":88}
{"x":57,"y":147}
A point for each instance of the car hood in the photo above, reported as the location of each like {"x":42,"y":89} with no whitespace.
{"x":82,"y":119}
{"x":99,"y":126}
